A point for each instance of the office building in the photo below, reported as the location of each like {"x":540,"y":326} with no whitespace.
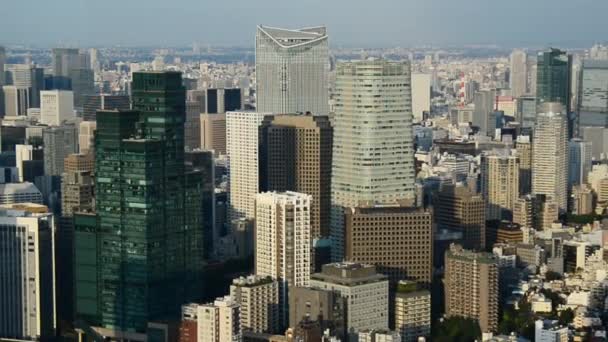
{"x":59,"y":142}
{"x":296,"y":156}
{"x":16,"y":100}
{"x":67,"y":63}
{"x":581,"y":200}
{"x":213,"y":133}
{"x":518,"y":73}
{"x":412,"y":311}
{"x":592,"y":94}
{"x":458,"y":208}
{"x":550,"y":331}
{"x":258,"y":298}
{"x":26,"y":76}
{"x":86,"y":136}
{"x":523,"y":148}
{"x":192,"y":126}
{"x":92,"y":103}
{"x":222,"y":100}
{"x":499,"y":183}
{"x":216,"y":322}
{"x":579,"y":161}
{"x":82,"y":83}
{"x":27,"y":270}
{"x":397,"y":240}
{"x":23,"y":153}
{"x":2,"y":63}
{"x":599,"y":138}
{"x":292,"y":69}
{"x":11,"y":193}
{"x":421,"y":96}
{"x":365,"y":292}
{"x":56,"y":107}
{"x":283,"y":236}
{"x":242,"y":147}
{"x":323,"y":306}
{"x":471,"y":286}
{"x":550,"y":151}
{"x":148,"y":209}
{"x":554,"y":82}
{"x":483,"y":118}
{"x":373,"y":160}
{"x":526,"y":111}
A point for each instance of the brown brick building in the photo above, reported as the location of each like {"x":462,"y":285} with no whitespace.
{"x":398,"y":240}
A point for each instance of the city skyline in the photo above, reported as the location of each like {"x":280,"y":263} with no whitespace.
{"x":206,"y":22}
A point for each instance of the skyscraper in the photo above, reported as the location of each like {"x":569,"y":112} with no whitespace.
{"x":296,"y":156}
{"x":421,"y":95}
{"x":283,"y":238}
{"x":518,"y":77}
{"x":579,"y":161}
{"x":56,"y":107}
{"x":484,"y":107}
{"x":27,"y":270}
{"x":92,"y":103}
{"x":213,"y":133}
{"x":242,"y":145}
{"x":550,"y":154}
{"x":593,"y":94}
{"x":148,"y":224}
{"x":499,"y":183}
{"x":291,"y":70}
{"x":64,"y":60}
{"x":460,"y":209}
{"x":27,"y":76}
{"x":59,"y":142}
{"x":2,"y":62}
{"x":553,"y":83}
{"x":16,"y":100}
{"x":471,"y":286}
{"x":523,"y":147}
{"x":373,"y":144}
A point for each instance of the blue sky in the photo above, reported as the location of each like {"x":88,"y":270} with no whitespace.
{"x":350,"y":22}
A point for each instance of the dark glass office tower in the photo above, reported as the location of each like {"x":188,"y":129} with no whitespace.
{"x":149,"y":215}
{"x":553,"y":80}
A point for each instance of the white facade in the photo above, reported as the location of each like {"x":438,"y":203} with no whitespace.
{"x":23,"y":152}
{"x":27,"y":299}
{"x":283,"y":236}
{"x":518,"y":77}
{"x":548,"y":332}
{"x":413,"y":315}
{"x":550,"y":154}
{"x":242,"y":145}
{"x":292,"y":69}
{"x":56,"y":107}
{"x":215,"y":322}
{"x":86,"y":136}
{"x":421,"y":95}
{"x":11,"y":193}
{"x":366,"y":299}
{"x":258,"y":298}
{"x":499,"y":183}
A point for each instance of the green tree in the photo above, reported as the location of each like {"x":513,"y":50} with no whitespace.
{"x":566,"y":317}
{"x":457,"y":329}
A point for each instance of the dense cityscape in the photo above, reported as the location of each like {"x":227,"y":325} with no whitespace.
{"x":300,"y":191}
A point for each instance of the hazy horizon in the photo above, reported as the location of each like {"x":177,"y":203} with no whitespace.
{"x":350,"y":23}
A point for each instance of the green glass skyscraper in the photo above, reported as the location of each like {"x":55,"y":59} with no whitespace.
{"x":553,"y":80}
{"x":149,"y":236}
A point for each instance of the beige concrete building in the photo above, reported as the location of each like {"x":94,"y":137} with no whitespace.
{"x":213,"y":133}
{"x":598,"y":179}
{"x":296,"y":156}
{"x":582,"y":200}
{"x":216,"y":322}
{"x":523,"y":147}
{"x":86,"y":136}
{"x":460,"y":209}
{"x":397,"y":240}
{"x":412,"y":312}
{"x":258,"y":298}
{"x":77,"y":184}
{"x":499,"y":183}
{"x":538,"y":212}
{"x":365,"y":292}
{"x":283,"y":241}
{"x":471,"y":286}
{"x":550,"y":154}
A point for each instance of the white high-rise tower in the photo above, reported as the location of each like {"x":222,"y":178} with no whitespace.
{"x":519,"y":73}
{"x":292,"y":69}
{"x":550,"y":154}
